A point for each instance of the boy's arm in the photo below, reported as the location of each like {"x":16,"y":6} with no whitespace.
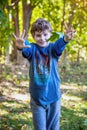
{"x":27,"y":52}
{"x":60,"y":44}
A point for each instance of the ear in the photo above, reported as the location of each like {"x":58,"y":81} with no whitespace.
{"x":33,"y":36}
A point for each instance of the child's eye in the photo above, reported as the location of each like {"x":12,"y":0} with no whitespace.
{"x":38,"y":35}
{"x":45,"y":34}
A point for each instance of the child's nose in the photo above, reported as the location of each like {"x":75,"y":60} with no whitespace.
{"x":42,"y":37}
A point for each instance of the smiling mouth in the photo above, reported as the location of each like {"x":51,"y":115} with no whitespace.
{"x":42,"y":42}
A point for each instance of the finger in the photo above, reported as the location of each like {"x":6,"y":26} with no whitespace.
{"x":26,"y":46}
{"x":71,"y":28}
{"x":26,"y":36}
{"x":71,"y":35}
{"x":66,"y":27}
{"x":74,"y":31}
{"x":23,"y":34}
{"x":14,"y":36}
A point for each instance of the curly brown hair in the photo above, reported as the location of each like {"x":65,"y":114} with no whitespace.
{"x":40,"y":25}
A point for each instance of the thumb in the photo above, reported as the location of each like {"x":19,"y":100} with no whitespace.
{"x":26,"y":46}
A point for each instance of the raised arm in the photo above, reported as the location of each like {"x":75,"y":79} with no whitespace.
{"x":60,"y":44}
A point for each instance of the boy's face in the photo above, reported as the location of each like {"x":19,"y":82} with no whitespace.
{"x":41,"y":37}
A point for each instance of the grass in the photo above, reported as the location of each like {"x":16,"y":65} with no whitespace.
{"x":74,"y":111}
{"x":14,"y":115}
{"x":15,"y":111}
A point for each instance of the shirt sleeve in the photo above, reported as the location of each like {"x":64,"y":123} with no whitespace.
{"x":59,"y":47}
{"x":27,"y":52}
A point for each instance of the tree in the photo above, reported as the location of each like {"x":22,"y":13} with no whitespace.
{"x":19,"y":14}
{"x":27,"y":8}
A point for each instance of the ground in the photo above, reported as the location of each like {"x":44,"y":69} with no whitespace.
{"x":15,"y":112}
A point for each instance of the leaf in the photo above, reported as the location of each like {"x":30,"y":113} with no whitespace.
{"x":56,"y":35}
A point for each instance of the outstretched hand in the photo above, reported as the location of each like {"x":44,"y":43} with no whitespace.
{"x":20,"y":41}
{"x":69,"y":33}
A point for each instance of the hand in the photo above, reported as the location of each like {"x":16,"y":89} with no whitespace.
{"x":69,"y":33}
{"x":20,"y":41}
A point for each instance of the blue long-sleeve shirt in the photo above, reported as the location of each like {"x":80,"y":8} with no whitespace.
{"x":44,"y":78}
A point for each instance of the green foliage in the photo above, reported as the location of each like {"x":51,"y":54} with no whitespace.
{"x":5,"y":32}
{"x":52,"y":11}
{"x":74,"y":73}
{"x":36,"y":2}
{"x":5,"y":26}
{"x":14,"y":115}
{"x":70,"y":120}
{"x":3,"y":3}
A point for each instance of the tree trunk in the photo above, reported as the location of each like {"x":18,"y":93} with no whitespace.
{"x":71,"y":13}
{"x":15,"y":20}
{"x":27,"y":12}
{"x":64,"y":55}
{"x":62,"y":23}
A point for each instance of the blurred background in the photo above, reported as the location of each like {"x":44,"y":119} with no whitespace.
{"x":17,"y":15}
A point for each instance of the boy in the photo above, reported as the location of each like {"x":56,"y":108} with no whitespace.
{"x":44,"y":78}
